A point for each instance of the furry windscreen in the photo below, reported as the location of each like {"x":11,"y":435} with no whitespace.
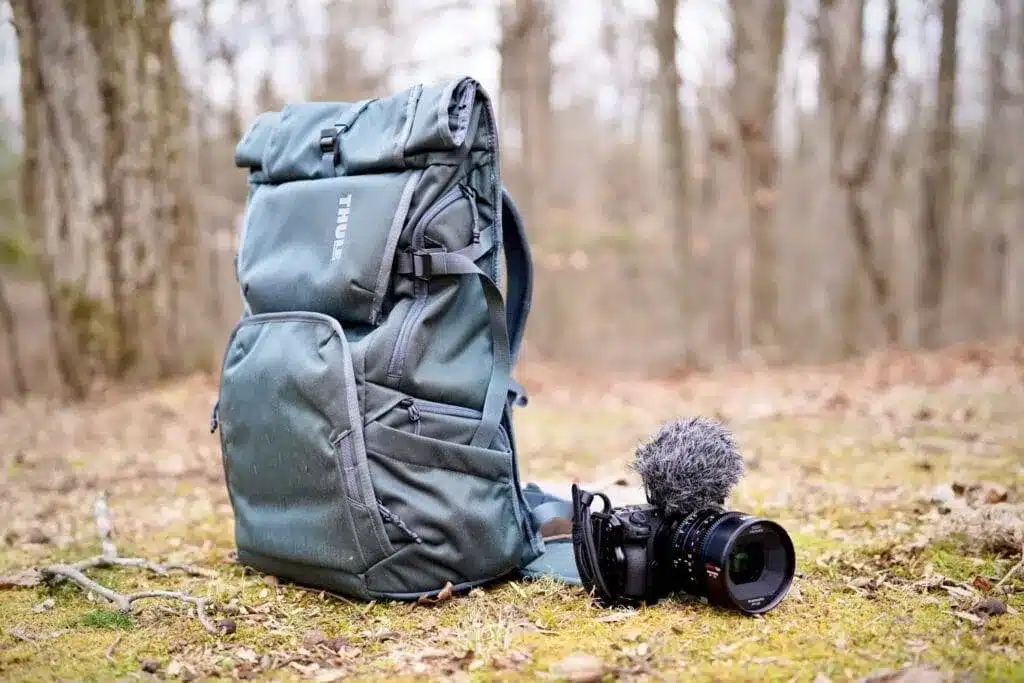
{"x":689,"y":464}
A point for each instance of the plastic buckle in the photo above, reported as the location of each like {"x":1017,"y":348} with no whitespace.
{"x":328,"y":137}
{"x":421,"y":266}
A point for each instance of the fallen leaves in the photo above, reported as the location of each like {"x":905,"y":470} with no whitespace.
{"x":28,"y":578}
{"x":848,"y":478}
{"x":579,"y":668}
{"x":981,"y":493}
{"x":910,"y":674}
{"x":443,"y":596}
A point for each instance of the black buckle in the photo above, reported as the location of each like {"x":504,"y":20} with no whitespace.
{"x":421,"y":266}
{"x":328,"y":138}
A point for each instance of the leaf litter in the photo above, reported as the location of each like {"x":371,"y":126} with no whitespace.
{"x":848,"y":456}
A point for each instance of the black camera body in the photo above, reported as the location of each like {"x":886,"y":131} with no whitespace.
{"x":639,"y":554}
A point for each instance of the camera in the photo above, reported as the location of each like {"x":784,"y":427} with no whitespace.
{"x":642,"y":553}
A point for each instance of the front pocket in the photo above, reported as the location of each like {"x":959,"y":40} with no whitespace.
{"x":435,"y":420}
{"x":325,"y":245}
{"x":459,"y":500}
{"x":451,"y":223}
{"x":293,"y":445}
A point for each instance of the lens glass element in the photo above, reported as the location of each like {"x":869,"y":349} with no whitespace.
{"x":746,"y":563}
{"x":733,"y":559}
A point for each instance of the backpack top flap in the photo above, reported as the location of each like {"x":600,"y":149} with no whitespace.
{"x":334,"y":184}
{"x":311,"y":140}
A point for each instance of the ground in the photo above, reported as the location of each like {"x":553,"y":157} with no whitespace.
{"x":900,"y":477}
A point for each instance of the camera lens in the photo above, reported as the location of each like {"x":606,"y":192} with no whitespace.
{"x":732,"y":559}
{"x":746,"y":563}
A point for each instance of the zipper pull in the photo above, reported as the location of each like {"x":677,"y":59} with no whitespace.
{"x":471,"y":196}
{"x":214,"y":417}
{"x":414,"y":412}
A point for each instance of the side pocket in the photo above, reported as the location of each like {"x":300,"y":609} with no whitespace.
{"x":459,"y":500}
{"x":294,"y":452}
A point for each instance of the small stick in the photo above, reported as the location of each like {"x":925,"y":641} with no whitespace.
{"x":103,"y":526}
{"x":74,"y":572}
{"x":1013,"y":570}
{"x":110,"y":650}
{"x":18,"y":634}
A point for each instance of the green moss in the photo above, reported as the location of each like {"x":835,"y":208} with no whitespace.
{"x":104,"y":618}
{"x":848,"y":494}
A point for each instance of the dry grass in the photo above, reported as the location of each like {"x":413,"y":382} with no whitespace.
{"x":879,"y":469}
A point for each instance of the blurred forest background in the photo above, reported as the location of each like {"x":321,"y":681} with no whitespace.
{"x":705,"y":181}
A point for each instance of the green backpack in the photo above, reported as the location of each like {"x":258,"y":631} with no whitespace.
{"x":365,"y":396}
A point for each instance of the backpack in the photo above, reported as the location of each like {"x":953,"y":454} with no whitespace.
{"x":365,"y":395}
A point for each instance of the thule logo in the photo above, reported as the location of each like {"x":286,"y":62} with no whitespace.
{"x":341,"y":225}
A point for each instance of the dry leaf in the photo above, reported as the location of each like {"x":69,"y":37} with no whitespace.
{"x":44,"y":606}
{"x":313,"y":638}
{"x":981,"y":583}
{"x":513,"y":659}
{"x":580,"y":668}
{"x":246,"y":655}
{"x":618,"y":615}
{"x":444,"y":595}
{"x":967,"y":616}
{"x":328,"y":675}
{"x":30,"y":578}
{"x":910,"y":674}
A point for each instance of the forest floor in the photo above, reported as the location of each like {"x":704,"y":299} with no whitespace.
{"x":900,"y":477}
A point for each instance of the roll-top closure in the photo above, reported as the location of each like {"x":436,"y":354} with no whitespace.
{"x":371,"y":136}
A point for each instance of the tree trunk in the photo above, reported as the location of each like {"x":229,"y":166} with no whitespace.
{"x":759,"y":32}
{"x":842,"y":77}
{"x":42,"y":203}
{"x":526,"y":85}
{"x":675,"y":152}
{"x":102,"y":149}
{"x":937,"y":184}
{"x":10,"y":328}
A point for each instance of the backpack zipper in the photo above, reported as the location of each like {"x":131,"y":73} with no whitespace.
{"x":396,"y":366}
{"x":392,"y":518}
{"x":417,"y":406}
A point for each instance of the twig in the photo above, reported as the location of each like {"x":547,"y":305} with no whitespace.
{"x":103,"y":526}
{"x":18,"y":634}
{"x":200,"y":604}
{"x":74,"y":572}
{"x":77,"y":577}
{"x":1013,"y":570}
{"x":110,"y":650}
{"x":319,"y":591}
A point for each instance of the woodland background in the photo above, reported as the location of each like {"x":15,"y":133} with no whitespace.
{"x":710,"y":181}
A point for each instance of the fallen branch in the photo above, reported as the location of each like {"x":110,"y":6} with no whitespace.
{"x":75,"y":573}
{"x":1013,"y":572}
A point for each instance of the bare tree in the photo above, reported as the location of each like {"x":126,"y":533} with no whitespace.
{"x":937,"y":183}
{"x":526,"y":77}
{"x":103,"y":179}
{"x":855,"y":135}
{"x":10,"y":329}
{"x":675,"y":152}
{"x":758,"y":38}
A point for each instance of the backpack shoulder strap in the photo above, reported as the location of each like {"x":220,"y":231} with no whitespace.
{"x":519,"y":266}
{"x":520,"y":271}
